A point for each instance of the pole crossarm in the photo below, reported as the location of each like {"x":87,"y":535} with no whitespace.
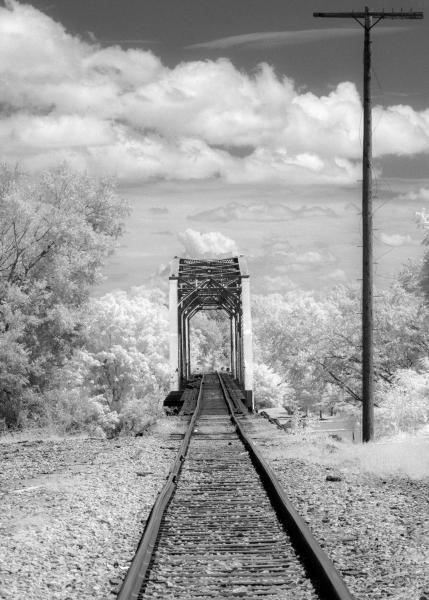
{"x":369,"y":15}
{"x":402,"y":14}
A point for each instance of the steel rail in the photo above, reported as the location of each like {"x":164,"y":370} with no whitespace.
{"x":136,"y":573}
{"x":318,"y":563}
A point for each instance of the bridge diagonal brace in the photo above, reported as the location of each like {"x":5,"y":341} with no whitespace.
{"x":210,"y":284}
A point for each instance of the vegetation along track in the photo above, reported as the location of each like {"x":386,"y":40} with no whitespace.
{"x":224,"y":528}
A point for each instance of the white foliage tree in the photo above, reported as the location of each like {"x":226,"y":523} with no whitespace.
{"x":56,"y":230}
{"x":404,"y":405}
{"x":271,"y":390}
{"x":127,"y":337}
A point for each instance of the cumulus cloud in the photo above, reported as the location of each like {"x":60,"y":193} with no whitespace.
{"x":401,"y":130}
{"x":395,"y":239}
{"x":123,"y":112}
{"x":337,"y":275}
{"x":278,"y":284}
{"x":299,"y":262}
{"x":260,"y":211}
{"x":420,"y":194}
{"x":209,"y":245}
{"x":310,"y":257}
{"x":292,"y":257}
{"x":158,"y":210}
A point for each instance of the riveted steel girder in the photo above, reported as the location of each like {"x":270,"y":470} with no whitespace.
{"x":210,"y":284}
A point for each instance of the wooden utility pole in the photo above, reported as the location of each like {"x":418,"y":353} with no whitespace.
{"x":368,"y":19}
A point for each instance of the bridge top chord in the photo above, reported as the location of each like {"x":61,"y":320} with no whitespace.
{"x":209,"y":284}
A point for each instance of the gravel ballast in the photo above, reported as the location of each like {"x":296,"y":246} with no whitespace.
{"x":73,"y":511}
{"x":374,"y":528}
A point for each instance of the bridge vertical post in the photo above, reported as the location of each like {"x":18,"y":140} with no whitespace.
{"x":182,"y":346}
{"x":237,"y":348}
{"x":188,"y":349}
{"x":174,"y":334}
{"x":240,"y":350}
{"x":232,"y":329}
{"x":247,"y":342}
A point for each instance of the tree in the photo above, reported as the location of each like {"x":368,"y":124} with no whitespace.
{"x":210,"y":340}
{"x":423,"y":224}
{"x":56,"y":230}
{"x":271,"y":390}
{"x":291,"y":335}
{"x":119,"y":376}
{"x":404,"y":405}
{"x":314,"y":343}
{"x":126,"y":348}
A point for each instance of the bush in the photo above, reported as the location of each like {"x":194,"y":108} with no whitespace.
{"x":28,"y":409}
{"x":404,"y":406}
{"x":10,"y":409}
{"x":270,"y":389}
{"x":138,"y":414}
{"x":71,"y":410}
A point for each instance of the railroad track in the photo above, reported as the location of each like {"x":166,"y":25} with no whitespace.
{"x":222,"y":526}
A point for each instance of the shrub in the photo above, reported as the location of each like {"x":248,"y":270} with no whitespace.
{"x":270,"y":389}
{"x":404,"y":406}
{"x":72,"y":410}
{"x":138,"y":414}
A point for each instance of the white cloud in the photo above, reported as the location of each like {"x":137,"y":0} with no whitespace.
{"x":421,"y":194}
{"x":260,"y":211}
{"x":395,"y":239}
{"x":210,"y":245}
{"x":335,"y":275}
{"x":267,"y":39}
{"x":309,"y":258}
{"x":400,"y":130}
{"x":278,"y":284}
{"x":52,"y":132}
{"x":123,"y":112}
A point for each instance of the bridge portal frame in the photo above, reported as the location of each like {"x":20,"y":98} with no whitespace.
{"x":211,"y":284}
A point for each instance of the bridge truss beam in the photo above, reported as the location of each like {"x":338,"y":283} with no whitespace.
{"x":211,"y":284}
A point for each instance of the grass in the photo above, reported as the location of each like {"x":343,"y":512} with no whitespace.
{"x":402,"y":455}
{"x":37,"y":434}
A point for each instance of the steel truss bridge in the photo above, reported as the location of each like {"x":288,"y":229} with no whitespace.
{"x":211,"y":284}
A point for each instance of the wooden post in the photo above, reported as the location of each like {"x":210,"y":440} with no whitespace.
{"x":367,"y":247}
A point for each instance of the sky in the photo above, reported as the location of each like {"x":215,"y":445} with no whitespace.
{"x":231,"y":127}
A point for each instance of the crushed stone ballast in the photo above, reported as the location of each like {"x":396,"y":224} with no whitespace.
{"x":222,"y":526}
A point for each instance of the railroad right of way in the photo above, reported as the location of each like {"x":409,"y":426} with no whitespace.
{"x":223,"y":527}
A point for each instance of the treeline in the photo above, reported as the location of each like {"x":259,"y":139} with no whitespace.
{"x":78,"y":362}
{"x":56,"y":231}
{"x":314,"y":344}
{"x":307,"y":350}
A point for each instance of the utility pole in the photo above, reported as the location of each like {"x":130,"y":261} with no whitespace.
{"x":368,"y":19}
